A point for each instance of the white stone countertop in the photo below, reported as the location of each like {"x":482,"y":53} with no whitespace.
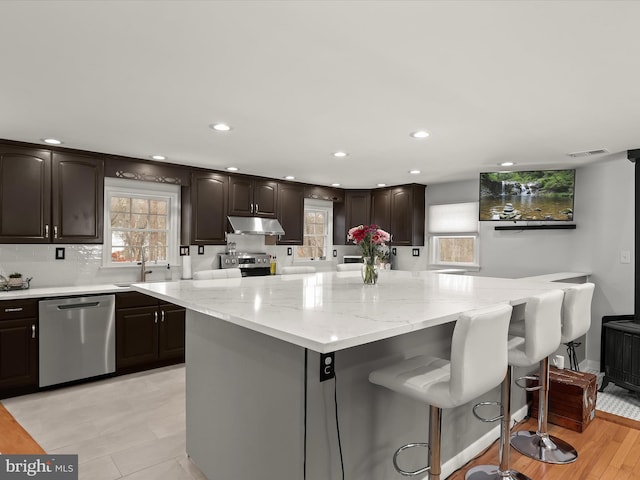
{"x":331,"y":311}
{"x":66,"y":291}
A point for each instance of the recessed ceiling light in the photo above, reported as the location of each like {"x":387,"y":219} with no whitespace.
{"x":52,"y":141}
{"x":420,"y":134}
{"x":232,"y":169}
{"x":158,"y":157}
{"x":340,"y":154}
{"x":289,"y":177}
{"x":220,"y":127}
{"x":414,"y":172}
{"x":335,"y":184}
{"x":507,"y":164}
{"x":382,"y":184}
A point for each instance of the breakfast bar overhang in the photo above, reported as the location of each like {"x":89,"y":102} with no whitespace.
{"x":256,"y":408}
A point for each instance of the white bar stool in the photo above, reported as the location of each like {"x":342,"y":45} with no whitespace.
{"x":539,"y":445}
{"x":292,"y":270}
{"x":541,"y":339}
{"x":478,"y":364}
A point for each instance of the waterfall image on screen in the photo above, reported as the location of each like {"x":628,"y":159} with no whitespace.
{"x":541,"y":195}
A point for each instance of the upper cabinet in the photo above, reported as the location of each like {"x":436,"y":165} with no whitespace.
{"x":249,"y":197}
{"x":77,"y":207}
{"x":398,"y":210}
{"x":47,"y":197}
{"x":291,"y":213}
{"x":25,"y":195}
{"x":209,"y":193}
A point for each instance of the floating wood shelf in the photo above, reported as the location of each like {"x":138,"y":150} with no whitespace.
{"x":570,"y":226}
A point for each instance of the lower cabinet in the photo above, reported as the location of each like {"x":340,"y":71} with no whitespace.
{"x":149,"y":333}
{"x":18,"y":347}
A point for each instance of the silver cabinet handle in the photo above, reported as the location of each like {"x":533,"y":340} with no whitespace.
{"x":155,"y":316}
{"x":46,"y":230}
{"x":162,"y":316}
{"x":17,"y":309}
{"x":257,"y":208}
{"x":55,"y":231}
{"x":33,"y":331}
{"x":251,"y":208}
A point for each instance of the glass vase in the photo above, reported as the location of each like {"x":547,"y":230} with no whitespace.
{"x":369,"y":271}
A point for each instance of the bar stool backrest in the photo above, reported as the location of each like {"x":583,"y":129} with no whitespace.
{"x":576,"y":311}
{"x":479,"y":352}
{"x":292,"y":270}
{"x":542,"y":324}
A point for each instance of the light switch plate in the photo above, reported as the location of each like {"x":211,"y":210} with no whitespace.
{"x":59,"y":253}
{"x":200,"y":249}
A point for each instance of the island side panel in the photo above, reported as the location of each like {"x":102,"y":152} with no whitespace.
{"x":244,"y":402}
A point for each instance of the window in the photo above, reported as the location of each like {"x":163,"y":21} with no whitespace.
{"x":453,"y":235}
{"x":318,"y":230}
{"x":140,"y":218}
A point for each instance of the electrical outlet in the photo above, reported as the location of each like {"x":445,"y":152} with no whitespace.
{"x":415,"y":252}
{"x":59,"y":253}
{"x":394,"y":252}
{"x":335,"y":253}
{"x":327,"y":366}
{"x":184,"y":250}
{"x":289,"y":251}
{"x":200,"y":249}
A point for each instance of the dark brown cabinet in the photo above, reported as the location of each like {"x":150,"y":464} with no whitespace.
{"x":407,"y":215}
{"x":25,"y":195}
{"x":401,"y":212}
{"x":18,"y":347}
{"x":291,"y":213}
{"x":355,"y":211}
{"x":209,"y":193}
{"x":47,"y":197}
{"x":149,"y":333}
{"x":77,"y":199}
{"x":250,"y":197}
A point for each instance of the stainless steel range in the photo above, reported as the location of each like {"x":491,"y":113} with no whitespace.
{"x":250,"y":264}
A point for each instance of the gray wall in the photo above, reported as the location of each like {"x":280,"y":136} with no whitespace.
{"x":604,"y":209}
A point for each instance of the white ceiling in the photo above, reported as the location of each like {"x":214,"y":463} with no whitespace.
{"x":496,"y":81}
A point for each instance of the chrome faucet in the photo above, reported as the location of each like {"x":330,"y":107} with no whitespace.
{"x":143,"y":267}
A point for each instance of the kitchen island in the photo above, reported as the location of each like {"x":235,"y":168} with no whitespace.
{"x":256,"y":408}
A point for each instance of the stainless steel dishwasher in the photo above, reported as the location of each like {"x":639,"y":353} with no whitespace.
{"x":77,"y":338}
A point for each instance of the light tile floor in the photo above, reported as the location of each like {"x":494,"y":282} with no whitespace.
{"x":130,"y":427}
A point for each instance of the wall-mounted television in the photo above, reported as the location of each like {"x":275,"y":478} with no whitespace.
{"x":538,"y":195}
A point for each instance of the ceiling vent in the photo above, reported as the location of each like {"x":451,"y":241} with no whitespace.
{"x":588,"y":153}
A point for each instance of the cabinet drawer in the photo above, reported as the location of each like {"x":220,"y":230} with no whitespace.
{"x":134,"y":299}
{"x":12,"y":309}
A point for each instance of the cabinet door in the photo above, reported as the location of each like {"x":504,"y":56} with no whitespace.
{"x":407,"y":215}
{"x":357,"y":211}
{"x":78,"y":199}
{"x":172,"y":325}
{"x":18,"y":354}
{"x":291,"y":213}
{"x":136,"y":336}
{"x":208,"y":209}
{"x":25,"y":195}
{"x":265,"y":198}
{"x":240,"y":196}
{"x":381,"y":208}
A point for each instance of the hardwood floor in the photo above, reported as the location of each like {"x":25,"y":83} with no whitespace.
{"x":609,"y":449}
{"x":14,"y":438}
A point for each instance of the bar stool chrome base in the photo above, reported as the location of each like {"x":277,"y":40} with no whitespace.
{"x":492,"y":472}
{"x":544,"y":448}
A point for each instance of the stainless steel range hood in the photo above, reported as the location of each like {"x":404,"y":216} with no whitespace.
{"x":255,"y":226}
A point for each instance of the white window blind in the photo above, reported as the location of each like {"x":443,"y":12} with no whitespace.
{"x":453,"y":218}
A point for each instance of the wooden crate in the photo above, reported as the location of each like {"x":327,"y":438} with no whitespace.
{"x":572,"y":399}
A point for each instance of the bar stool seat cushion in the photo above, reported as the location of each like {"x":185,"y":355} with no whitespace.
{"x":541,"y":330}
{"x":478,"y":362}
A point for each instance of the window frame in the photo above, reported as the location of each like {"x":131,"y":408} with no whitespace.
{"x":114,"y":187}
{"x":326,"y":207}
{"x":434,"y":250}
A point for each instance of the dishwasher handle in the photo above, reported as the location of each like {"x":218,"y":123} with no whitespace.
{"x":78,"y":305}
